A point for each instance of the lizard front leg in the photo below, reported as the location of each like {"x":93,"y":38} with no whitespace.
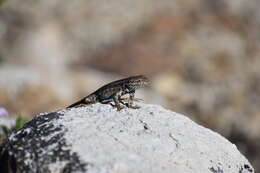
{"x":131,"y":101}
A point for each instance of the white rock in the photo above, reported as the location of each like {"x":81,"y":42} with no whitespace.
{"x":150,"y":140}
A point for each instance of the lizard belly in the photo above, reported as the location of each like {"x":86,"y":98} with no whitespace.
{"x":107,"y":97}
{"x":109,"y":93}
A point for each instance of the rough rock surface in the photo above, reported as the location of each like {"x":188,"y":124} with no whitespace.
{"x":98,"y":138}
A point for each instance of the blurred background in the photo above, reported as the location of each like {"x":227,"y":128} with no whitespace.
{"x":203,"y":57}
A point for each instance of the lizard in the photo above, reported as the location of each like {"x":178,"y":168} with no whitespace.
{"x":114,"y":91}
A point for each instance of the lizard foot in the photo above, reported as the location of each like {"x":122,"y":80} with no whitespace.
{"x":134,"y":106}
{"x":119,"y":107}
{"x":134,"y":99}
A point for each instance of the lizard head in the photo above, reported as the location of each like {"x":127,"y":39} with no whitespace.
{"x":139,"y":81}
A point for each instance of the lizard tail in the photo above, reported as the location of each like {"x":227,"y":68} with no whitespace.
{"x":91,"y":99}
{"x":82,"y":101}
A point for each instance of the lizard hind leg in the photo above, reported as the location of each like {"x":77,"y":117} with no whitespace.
{"x":131,"y":101}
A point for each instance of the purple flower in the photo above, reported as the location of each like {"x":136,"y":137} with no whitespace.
{"x":3,"y":112}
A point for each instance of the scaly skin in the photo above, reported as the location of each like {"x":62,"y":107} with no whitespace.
{"x":114,"y":91}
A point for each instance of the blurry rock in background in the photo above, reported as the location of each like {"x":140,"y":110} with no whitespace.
{"x":203,"y":57}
